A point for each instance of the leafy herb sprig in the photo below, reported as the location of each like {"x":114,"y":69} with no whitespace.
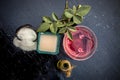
{"x":65,"y":24}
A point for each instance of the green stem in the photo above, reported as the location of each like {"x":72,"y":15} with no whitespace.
{"x":69,"y":20}
{"x":66,"y":4}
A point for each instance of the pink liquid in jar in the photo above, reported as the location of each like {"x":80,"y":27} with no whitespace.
{"x":83,"y":44}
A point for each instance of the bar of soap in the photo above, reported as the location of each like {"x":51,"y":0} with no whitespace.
{"x":48,"y":43}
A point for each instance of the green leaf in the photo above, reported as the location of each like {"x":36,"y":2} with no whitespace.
{"x":79,"y":6}
{"x":69,"y":35}
{"x":72,"y":29}
{"x":62,"y":30}
{"x":68,"y":13}
{"x":53,"y":28}
{"x":83,"y":10}
{"x":47,"y":19}
{"x":43,"y":27}
{"x":64,"y":17}
{"x":77,"y":19}
{"x":69,"y":23}
{"x":60,"y":24}
{"x":74,"y":9}
{"x":54,"y":16}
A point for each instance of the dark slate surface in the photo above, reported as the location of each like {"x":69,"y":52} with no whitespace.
{"x":104,"y":20}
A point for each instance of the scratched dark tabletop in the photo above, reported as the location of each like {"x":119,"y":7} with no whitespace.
{"x":103,"y":19}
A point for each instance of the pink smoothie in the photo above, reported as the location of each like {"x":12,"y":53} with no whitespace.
{"x":83,"y":44}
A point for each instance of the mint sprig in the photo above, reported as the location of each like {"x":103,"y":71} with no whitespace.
{"x":65,"y":24}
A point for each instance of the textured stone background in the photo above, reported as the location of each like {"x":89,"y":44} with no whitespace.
{"x":104,"y":20}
